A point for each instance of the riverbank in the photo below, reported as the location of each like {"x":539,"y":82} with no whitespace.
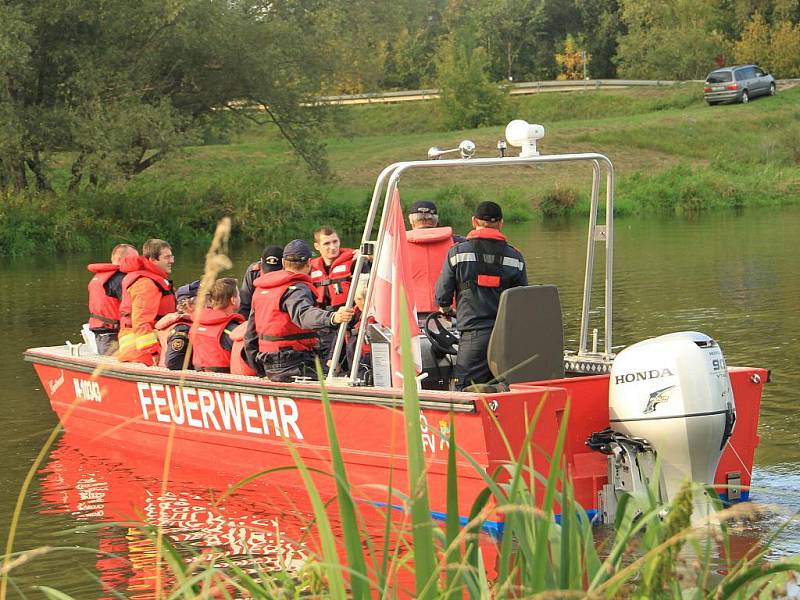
{"x":672,"y":152}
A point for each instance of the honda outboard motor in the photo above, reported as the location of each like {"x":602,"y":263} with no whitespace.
{"x":671,"y":396}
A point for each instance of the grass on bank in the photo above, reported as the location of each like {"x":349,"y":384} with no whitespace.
{"x":672,"y":153}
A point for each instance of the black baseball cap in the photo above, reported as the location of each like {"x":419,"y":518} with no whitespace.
{"x":489,"y":211}
{"x":423,"y":207}
{"x":297,"y":251}
{"x":271,"y":259}
{"x":187,"y":291}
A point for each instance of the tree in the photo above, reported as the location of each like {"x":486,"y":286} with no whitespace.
{"x":571,"y":60}
{"x":754,"y":45}
{"x":469,"y":98}
{"x":601,"y":27}
{"x":785,"y":50}
{"x":672,"y":39}
{"x":120,"y":85}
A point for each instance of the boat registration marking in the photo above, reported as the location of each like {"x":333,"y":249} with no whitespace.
{"x":219,"y":410}
{"x":86,"y":389}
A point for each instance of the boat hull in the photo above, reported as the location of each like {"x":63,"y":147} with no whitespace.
{"x":242,"y":425}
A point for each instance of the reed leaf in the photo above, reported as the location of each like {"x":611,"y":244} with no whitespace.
{"x":327,"y":540}
{"x":453,"y":525}
{"x":424,"y":551}
{"x":359,"y":580}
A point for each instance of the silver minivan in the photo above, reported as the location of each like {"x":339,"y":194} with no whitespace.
{"x":738,"y":84}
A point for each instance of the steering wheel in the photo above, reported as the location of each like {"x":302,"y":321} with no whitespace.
{"x":441,"y":339}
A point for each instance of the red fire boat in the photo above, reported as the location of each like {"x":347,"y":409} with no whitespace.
{"x":672,"y":396}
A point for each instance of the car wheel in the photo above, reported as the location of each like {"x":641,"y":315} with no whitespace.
{"x":745,"y":97}
{"x":772,"y":89}
{"x":712,"y":103}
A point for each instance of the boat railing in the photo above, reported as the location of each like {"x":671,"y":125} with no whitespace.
{"x":390,"y":177}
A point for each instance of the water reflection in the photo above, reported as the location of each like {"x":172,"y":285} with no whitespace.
{"x":260,"y":526}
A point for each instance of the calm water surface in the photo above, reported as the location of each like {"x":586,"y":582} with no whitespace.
{"x":732,"y":276}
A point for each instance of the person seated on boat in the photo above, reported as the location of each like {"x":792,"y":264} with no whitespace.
{"x":331,"y":273}
{"x":105,"y":295}
{"x":365,"y":362}
{"x":147,"y":295}
{"x":211,"y":334}
{"x":173,"y":329}
{"x":427,"y":248}
{"x":270,"y":261}
{"x":286,"y":320}
{"x":476,"y":272}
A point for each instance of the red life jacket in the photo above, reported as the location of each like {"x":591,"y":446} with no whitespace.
{"x":137,"y":267}
{"x":332,"y":285}
{"x":164,"y":327}
{"x":103,"y":309}
{"x":207,"y":353}
{"x":274,"y":327}
{"x":239,"y":366}
{"x":427,"y":251}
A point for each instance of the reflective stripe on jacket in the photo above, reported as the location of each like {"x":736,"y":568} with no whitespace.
{"x":147,"y":295}
{"x":207,"y":351}
{"x":332,"y":284}
{"x":274,"y":326}
{"x":476,"y":272}
{"x":103,"y":308}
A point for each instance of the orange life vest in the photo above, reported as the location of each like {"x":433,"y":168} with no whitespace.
{"x":164,"y":327}
{"x":239,"y":366}
{"x":103,"y":309}
{"x":158,"y":277}
{"x":274,"y":327}
{"x":207,"y":353}
{"x":332,"y":285}
{"x":427,"y":251}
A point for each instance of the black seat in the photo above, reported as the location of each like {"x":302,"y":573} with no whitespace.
{"x":527,"y":342}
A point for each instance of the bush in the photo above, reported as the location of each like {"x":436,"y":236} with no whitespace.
{"x":558,"y":202}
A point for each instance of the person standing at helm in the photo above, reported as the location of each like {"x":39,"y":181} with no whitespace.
{"x":331,"y":274}
{"x":210,"y":336}
{"x":476,"y":272}
{"x":105,"y":295}
{"x":427,"y":248}
{"x":270,"y":261}
{"x":147,"y":295}
{"x":285,"y":319}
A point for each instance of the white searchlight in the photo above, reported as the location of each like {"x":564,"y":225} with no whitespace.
{"x":524,"y":135}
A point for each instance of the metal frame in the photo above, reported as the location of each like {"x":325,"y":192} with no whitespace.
{"x":595,"y":234}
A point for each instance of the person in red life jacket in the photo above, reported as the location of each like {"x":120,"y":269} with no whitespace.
{"x":239,"y":363}
{"x":173,"y":329}
{"x":147,"y":295}
{"x":331,"y":272}
{"x":105,"y":295}
{"x":270,"y":261}
{"x":428,"y":245}
{"x":210,"y":336}
{"x":286,"y":320}
{"x":476,"y":272}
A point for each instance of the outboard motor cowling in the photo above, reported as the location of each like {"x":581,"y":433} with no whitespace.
{"x":674,"y":392}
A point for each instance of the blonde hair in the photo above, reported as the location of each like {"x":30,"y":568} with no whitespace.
{"x":222,"y":292}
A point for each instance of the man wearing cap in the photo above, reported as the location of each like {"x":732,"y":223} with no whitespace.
{"x":476,"y":272}
{"x":173,"y":329}
{"x":270,"y":261}
{"x":285,"y":320}
{"x":428,"y":245}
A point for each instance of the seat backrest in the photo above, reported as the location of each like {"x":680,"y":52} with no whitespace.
{"x":527,"y":342}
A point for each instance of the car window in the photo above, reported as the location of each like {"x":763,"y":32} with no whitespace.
{"x":758,"y":72}
{"x":719,"y":77}
{"x":742,"y":74}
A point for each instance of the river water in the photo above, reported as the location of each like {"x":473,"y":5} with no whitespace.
{"x":731,"y":275}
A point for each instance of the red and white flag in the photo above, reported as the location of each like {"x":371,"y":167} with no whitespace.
{"x":394,"y":278}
